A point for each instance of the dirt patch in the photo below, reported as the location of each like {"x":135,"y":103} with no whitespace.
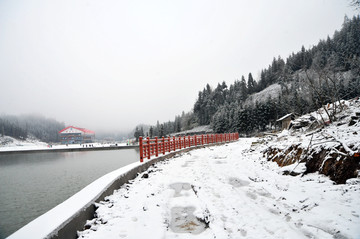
{"x":284,"y":157}
{"x":338,"y":167}
{"x":184,"y":221}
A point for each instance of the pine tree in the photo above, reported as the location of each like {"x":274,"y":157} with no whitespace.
{"x":251,"y":84}
{"x":243,"y":89}
{"x":162,"y":131}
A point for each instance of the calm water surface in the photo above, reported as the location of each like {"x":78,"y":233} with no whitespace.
{"x":31,"y":184}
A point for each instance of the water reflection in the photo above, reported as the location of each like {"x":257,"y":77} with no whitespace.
{"x":31,"y":184}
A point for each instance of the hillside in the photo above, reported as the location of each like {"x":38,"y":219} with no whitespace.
{"x":316,"y":143}
{"x":10,"y":143}
{"x":31,"y":126}
{"x":299,"y":84}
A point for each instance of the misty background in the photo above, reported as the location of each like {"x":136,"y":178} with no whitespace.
{"x":110,"y":65}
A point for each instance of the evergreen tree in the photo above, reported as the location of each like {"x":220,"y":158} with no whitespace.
{"x":251,"y":84}
{"x":151,"y":132}
{"x":243,"y":89}
{"x":162,"y":131}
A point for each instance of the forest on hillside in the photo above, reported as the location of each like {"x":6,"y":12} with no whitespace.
{"x":21,"y":127}
{"x":306,"y":80}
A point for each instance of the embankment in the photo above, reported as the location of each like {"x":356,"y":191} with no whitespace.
{"x":334,"y":162}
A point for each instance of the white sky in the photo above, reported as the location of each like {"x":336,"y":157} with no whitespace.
{"x":109,"y":65}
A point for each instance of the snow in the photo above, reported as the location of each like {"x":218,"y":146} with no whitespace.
{"x":228,"y":191}
{"x":331,"y":136}
{"x":8,"y":143}
{"x":11,"y":144}
{"x":271,"y":91}
{"x":285,"y":116}
{"x":51,"y":220}
{"x":197,"y":129}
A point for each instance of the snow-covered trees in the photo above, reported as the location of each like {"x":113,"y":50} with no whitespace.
{"x":309,"y":79}
{"x":21,"y":127}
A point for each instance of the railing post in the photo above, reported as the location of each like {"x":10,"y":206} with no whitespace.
{"x":141,"y":149}
{"x":174,"y":143}
{"x":195,"y":140}
{"x":202,"y":139}
{"x":148,"y":147}
{"x":156,"y":147}
{"x":163,"y":145}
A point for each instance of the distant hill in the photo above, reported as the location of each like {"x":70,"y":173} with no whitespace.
{"x":24,"y":126}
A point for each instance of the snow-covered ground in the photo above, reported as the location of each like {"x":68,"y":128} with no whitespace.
{"x":203,"y":129}
{"x":11,"y":144}
{"x":228,"y":191}
{"x":271,"y":91}
{"x":344,"y":131}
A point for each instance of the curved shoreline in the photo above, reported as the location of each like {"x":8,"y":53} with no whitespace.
{"x":64,"y":220}
{"x":67,"y":149}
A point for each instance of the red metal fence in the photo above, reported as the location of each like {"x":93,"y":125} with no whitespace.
{"x":150,"y":147}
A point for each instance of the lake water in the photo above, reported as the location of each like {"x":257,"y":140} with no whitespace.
{"x":33,"y":183}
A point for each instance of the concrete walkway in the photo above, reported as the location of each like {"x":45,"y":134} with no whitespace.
{"x":227,"y":191}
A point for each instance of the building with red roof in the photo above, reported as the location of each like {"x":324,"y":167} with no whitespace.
{"x":76,"y":135}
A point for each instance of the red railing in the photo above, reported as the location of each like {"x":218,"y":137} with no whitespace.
{"x":153,"y":147}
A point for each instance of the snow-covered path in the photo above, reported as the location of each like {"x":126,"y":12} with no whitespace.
{"x":227,"y":191}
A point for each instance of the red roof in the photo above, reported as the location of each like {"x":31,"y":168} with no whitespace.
{"x":87,"y":131}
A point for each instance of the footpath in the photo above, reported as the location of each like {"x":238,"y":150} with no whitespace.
{"x":227,"y":191}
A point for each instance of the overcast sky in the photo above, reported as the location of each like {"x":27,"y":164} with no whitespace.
{"x":109,"y":65}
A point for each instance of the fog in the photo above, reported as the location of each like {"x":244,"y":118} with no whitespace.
{"x":110,"y":65}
